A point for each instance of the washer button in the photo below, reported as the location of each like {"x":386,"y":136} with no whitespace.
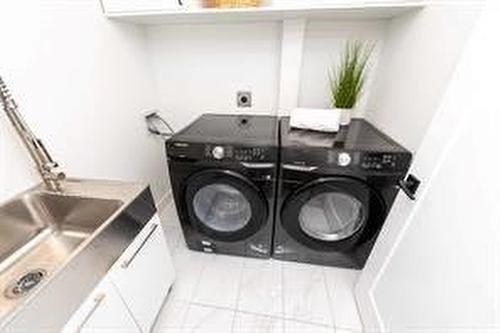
{"x":344,"y":159}
{"x":218,"y":152}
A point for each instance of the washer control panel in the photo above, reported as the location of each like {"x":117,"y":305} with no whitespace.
{"x":218,"y":152}
{"x":251,"y":154}
{"x":243,"y":154}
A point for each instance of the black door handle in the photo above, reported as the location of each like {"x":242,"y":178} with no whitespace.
{"x":410,"y":186}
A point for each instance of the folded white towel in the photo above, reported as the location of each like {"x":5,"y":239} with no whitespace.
{"x":324,"y":120}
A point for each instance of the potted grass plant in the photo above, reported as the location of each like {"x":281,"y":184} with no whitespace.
{"x":348,"y":78}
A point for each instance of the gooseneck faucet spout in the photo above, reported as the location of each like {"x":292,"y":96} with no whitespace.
{"x":49,"y":170}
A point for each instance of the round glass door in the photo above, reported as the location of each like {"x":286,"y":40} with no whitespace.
{"x":331,"y":213}
{"x":222,"y":207}
{"x":331,"y":216}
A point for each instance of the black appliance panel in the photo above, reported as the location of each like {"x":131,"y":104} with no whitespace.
{"x":223,"y":174}
{"x":253,"y":130}
{"x":334,"y":192}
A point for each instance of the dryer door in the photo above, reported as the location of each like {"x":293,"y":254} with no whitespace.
{"x":332,"y":213}
{"x":224,"y":205}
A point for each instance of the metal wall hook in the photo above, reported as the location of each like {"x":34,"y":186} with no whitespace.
{"x":157,"y":125}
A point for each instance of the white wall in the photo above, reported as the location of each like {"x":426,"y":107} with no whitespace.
{"x":81,"y":82}
{"x":323,"y":46}
{"x":420,"y":53}
{"x":199,"y":68}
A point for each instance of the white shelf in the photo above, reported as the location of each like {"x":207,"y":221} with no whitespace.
{"x":344,"y":11}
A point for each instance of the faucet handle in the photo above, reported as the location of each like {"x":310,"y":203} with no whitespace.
{"x":57,"y":175}
{"x":54,"y":175}
{"x":53,"y":180}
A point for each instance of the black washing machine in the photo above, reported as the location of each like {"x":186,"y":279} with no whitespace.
{"x":223,"y":176}
{"x":334,"y":193}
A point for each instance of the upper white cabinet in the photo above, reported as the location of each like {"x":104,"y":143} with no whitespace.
{"x":130,"y":6}
{"x":191,"y":11}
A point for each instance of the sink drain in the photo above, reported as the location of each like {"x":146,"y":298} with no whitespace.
{"x":25,"y":283}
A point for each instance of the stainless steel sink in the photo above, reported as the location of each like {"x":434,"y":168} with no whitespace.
{"x":66,"y":221}
{"x":55,"y":247}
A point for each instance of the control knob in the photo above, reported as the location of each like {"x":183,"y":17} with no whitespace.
{"x":344,"y":159}
{"x":218,"y":152}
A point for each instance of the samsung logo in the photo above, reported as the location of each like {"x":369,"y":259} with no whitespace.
{"x":181,"y":144}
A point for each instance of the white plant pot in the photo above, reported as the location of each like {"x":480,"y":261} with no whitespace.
{"x":345,"y":116}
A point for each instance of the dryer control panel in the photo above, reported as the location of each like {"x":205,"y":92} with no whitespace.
{"x":368,"y":161}
{"x":381,"y":161}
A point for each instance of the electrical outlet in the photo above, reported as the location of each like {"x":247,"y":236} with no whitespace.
{"x":244,"y":99}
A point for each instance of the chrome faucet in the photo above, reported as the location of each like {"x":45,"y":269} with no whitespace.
{"x":49,"y":170}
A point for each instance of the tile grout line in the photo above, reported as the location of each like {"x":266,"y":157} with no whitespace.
{"x":176,"y":245}
{"x":238,"y":295}
{"x":319,"y":271}
{"x":197,"y":283}
{"x":283,"y":295}
{"x":189,"y":305}
{"x":184,"y":316}
{"x":218,"y":307}
{"x":330,"y":296}
{"x":189,"y":302}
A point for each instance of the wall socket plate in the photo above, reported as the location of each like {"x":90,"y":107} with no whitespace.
{"x":244,"y":99}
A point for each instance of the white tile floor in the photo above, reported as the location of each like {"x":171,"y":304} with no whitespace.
{"x":219,"y":294}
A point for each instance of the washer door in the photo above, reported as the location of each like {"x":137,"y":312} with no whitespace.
{"x":332,"y":213}
{"x":225,"y":205}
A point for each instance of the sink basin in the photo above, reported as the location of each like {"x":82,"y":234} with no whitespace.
{"x":44,"y":217}
{"x":55,"y":248}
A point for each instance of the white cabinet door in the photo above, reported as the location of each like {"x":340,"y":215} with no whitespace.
{"x":436,"y":264}
{"x":115,"y":6}
{"x":103,"y":311}
{"x":144,"y":274}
